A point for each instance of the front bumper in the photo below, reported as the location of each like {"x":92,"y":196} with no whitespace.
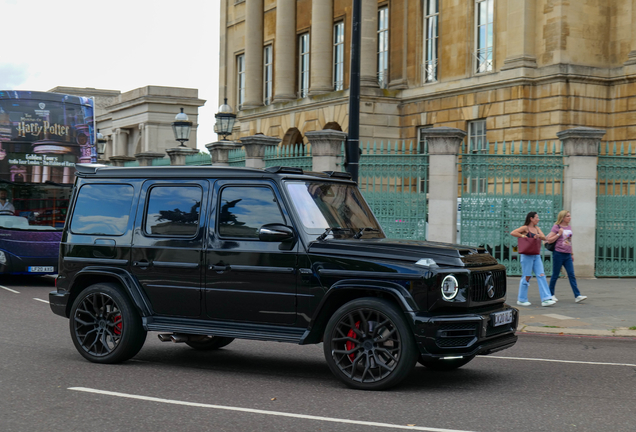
{"x":464,"y":335}
{"x":58,"y":301}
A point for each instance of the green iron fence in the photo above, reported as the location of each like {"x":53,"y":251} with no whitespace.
{"x":236,"y":158}
{"x":199,"y":159}
{"x":500,"y":184}
{"x":616,"y":210}
{"x":291,"y":156}
{"x":393,"y":179}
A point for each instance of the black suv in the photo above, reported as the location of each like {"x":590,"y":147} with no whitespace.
{"x":204,"y":255}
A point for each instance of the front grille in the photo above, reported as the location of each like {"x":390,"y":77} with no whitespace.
{"x":479,"y":290}
{"x":456,"y":335}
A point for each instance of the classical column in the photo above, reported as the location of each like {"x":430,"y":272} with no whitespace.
{"x":325,"y":149}
{"x":580,"y":146}
{"x":369,"y":44}
{"x":220,"y":152}
{"x":285,"y":51}
{"x":255,"y":149}
{"x":443,"y":149}
{"x":521,"y":35}
{"x":253,"y":54}
{"x":321,"y":47}
{"x":120,"y":143}
{"x":631,"y":57}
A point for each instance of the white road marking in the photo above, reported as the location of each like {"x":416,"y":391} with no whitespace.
{"x":257,"y":411}
{"x":560,"y":361}
{"x":40,"y":300}
{"x":559,"y":317}
{"x":9,"y":289}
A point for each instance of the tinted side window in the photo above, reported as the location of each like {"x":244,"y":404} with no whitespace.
{"x":102,"y":209}
{"x":245,"y":209}
{"x":173,"y":211}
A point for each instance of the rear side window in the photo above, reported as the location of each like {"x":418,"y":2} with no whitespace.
{"x":245,"y":209}
{"x":173,"y":211}
{"x":102,"y":209}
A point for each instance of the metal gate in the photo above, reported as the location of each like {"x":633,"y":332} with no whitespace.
{"x":500,"y":184}
{"x":616,"y":210}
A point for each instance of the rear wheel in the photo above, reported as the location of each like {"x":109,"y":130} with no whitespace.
{"x":444,"y":365}
{"x":368,"y":344}
{"x":105,"y":326}
{"x":205,"y":343}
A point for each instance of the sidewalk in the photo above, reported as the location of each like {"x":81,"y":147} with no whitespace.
{"x":609,"y":310}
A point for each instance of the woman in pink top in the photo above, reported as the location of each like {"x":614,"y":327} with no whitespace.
{"x":562,"y":256}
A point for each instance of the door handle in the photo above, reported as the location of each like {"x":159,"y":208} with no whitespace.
{"x":220,"y":268}
{"x":141,"y":264}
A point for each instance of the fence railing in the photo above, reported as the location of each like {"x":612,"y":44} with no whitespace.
{"x":236,"y":157}
{"x":297,"y":155}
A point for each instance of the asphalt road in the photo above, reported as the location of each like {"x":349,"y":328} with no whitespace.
{"x":544,"y":383}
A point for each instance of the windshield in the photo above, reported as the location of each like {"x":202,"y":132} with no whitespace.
{"x":322,"y":205}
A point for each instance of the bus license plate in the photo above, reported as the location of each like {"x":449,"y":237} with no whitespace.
{"x":501,"y":318}
{"x":41,"y":269}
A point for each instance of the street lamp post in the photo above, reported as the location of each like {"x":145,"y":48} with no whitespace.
{"x":225,"y":119}
{"x":181,"y":128}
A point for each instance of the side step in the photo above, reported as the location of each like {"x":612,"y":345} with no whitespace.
{"x":227,"y":329}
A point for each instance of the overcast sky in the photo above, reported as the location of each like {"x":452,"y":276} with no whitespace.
{"x":114,"y":45}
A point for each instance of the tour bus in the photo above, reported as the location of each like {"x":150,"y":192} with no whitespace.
{"x":42,"y":136}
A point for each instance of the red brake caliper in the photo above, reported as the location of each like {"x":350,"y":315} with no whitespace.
{"x":118,"y":325}
{"x":349,"y":345}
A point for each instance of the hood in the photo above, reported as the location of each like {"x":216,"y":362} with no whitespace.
{"x":406,"y":250}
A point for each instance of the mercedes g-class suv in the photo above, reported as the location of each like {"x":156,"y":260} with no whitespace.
{"x":203,"y":255}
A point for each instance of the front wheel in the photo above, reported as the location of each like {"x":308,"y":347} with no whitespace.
{"x":105,"y":326}
{"x":444,"y":365}
{"x":368,"y":344}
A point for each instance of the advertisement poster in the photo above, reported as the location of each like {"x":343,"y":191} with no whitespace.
{"x":43,"y":135}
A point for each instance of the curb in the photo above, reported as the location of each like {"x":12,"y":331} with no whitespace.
{"x":577,"y":332}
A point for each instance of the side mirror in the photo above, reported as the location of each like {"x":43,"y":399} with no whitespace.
{"x":275,"y":233}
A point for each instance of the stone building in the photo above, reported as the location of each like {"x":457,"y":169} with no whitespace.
{"x":140,"y":121}
{"x":498,"y":69}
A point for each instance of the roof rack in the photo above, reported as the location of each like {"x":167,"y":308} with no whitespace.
{"x":284,"y":169}
{"x":338,"y":174}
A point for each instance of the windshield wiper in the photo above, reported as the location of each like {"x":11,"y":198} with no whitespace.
{"x":362,"y":230}
{"x":331,"y":230}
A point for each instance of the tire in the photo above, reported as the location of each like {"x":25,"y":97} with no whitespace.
{"x":368,"y":345}
{"x":206,"y":343}
{"x":444,"y":365}
{"x":105,"y":326}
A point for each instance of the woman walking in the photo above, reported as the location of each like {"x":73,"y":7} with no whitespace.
{"x":562,"y":256}
{"x":531,"y":260}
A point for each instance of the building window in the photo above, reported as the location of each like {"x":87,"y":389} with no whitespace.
{"x":478,"y":144}
{"x":240,"y":80}
{"x":431,"y":27}
{"x":267,"y":74}
{"x":383,"y":46}
{"x":484,"y":17}
{"x":338,"y":56}
{"x":303,"y":65}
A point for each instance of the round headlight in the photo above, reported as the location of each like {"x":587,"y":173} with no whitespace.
{"x":450,"y":287}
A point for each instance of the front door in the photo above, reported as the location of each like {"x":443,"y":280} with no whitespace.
{"x":168,"y":243}
{"x":247,"y":279}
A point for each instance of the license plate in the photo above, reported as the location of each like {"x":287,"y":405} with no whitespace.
{"x":41,"y":269}
{"x":501,"y":318}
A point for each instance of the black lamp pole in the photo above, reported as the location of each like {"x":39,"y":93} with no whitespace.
{"x":352,"y":149}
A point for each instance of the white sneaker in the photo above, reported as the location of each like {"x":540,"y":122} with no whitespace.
{"x":520,"y":303}
{"x":548,"y":302}
{"x":555,"y":299}
{"x":580,"y":298}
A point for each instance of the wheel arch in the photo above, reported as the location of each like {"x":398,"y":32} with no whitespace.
{"x":92,"y":275}
{"x":347,"y":290}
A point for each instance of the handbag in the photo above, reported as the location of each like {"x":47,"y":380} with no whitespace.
{"x":529,"y":245}
{"x":551,"y":246}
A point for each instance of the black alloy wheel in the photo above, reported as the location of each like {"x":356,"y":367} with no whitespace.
{"x":206,"y":343}
{"x":368,"y":344}
{"x":105,"y":326}
{"x":444,"y":365}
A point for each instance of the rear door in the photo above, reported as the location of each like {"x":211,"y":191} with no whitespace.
{"x":247,"y":279}
{"x":168,"y":242}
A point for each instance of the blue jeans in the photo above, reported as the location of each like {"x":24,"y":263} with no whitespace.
{"x":531,"y":263}
{"x":560,"y":259}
